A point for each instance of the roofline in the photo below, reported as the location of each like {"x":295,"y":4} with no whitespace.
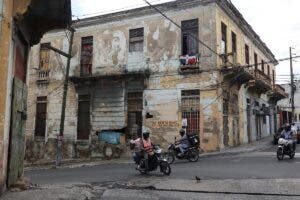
{"x":141,"y":11}
{"x":225,"y":5}
{"x":235,"y":15}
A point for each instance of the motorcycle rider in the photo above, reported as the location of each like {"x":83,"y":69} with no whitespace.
{"x":147,"y":144}
{"x":184,"y":142}
{"x":136,"y":147}
{"x":287,"y":134}
{"x":294,"y":130}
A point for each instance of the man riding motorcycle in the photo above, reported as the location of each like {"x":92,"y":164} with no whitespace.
{"x":288,"y":134}
{"x":142,"y":148}
{"x":184,"y":142}
{"x":136,"y":147}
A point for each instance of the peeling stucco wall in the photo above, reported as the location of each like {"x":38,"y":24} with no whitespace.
{"x":161,"y":90}
{"x":5,"y":86}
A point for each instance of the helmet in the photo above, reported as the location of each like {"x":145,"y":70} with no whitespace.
{"x":287,"y":127}
{"x":146,"y":135}
{"x":182,"y":132}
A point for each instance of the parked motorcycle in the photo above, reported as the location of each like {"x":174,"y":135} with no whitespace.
{"x":284,"y":149}
{"x":152,"y":163}
{"x":191,"y":154}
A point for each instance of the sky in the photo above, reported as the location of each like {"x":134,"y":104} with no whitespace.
{"x":277,"y":22}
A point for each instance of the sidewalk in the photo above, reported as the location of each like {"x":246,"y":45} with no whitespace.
{"x":75,"y":163}
{"x":260,"y":145}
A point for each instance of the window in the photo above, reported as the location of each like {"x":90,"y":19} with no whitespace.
{"x":263,"y":66}
{"x":233,"y":42}
{"x":255,"y":61}
{"x":41,"y":114}
{"x":224,"y":38}
{"x":268,"y":67}
{"x":247,"y":59}
{"x":190,"y":103}
{"x":136,"y":40}
{"x":44,"y":57}
{"x":83,"y":124}
{"x":86,"y":56}
{"x":190,"y":32}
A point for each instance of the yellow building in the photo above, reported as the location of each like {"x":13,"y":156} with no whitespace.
{"x":20,"y":28}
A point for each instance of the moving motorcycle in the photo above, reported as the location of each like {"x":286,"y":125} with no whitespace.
{"x":152,"y":163}
{"x":284,"y":149}
{"x":191,"y":154}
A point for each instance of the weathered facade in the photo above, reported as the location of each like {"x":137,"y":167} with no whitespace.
{"x":22,"y":24}
{"x":135,"y":70}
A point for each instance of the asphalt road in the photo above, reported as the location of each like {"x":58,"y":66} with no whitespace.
{"x":256,"y":165}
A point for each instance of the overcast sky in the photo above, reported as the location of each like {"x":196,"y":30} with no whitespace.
{"x":277,"y":22}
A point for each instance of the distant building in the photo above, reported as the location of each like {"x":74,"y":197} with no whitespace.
{"x":285,"y":106}
{"x":135,"y":70}
{"x":22,"y":24}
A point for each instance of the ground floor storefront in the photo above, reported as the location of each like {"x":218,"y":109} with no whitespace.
{"x":104,"y":114}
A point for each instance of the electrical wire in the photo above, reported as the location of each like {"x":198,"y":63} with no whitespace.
{"x":173,"y":22}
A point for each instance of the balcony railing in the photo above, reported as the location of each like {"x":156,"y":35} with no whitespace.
{"x":189,"y":63}
{"x":280,"y":90}
{"x":261,"y":76}
{"x":42,"y":74}
{"x":43,"y":77}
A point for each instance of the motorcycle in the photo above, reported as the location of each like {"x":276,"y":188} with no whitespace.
{"x":152,"y":163}
{"x":284,"y":149}
{"x":191,"y":154}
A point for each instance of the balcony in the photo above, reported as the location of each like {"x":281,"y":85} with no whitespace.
{"x":255,"y":79}
{"x":111,"y":74}
{"x":189,"y":64}
{"x":43,"y":77}
{"x":261,"y":82}
{"x":277,"y":93}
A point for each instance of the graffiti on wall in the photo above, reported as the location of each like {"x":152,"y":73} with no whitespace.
{"x":165,"y":124}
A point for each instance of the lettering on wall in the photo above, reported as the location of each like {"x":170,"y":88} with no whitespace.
{"x":165,"y":124}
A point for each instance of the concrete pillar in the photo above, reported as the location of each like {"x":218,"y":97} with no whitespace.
{"x":5,"y":85}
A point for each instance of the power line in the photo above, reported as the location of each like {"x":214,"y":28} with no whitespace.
{"x":113,"y":10}
{"x":173,"y":22}
{"x":49,"y":93}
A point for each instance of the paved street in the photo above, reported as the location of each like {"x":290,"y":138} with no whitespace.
{"x":233,"y":175}
{"x":260,"y":165}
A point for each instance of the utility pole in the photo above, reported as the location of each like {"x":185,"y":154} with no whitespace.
{"x":292,"y":86}
{"x":65,"y":91}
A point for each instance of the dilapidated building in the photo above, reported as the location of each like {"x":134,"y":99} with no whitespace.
{"x":22,"y":24}
{"x":135,"y":70}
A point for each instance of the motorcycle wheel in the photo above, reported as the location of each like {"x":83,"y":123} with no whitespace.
{"x":292,"y":155}
{"x":193,"y":156}
{"x":142,"y":163}
{"x":165,"y":168}
{"x":170,"y":157}
{"x":280,"y":154}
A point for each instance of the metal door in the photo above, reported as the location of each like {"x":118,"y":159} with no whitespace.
{"x":83,"y":127}
{"x":17,"y":139}
{"x":135,"y":117}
